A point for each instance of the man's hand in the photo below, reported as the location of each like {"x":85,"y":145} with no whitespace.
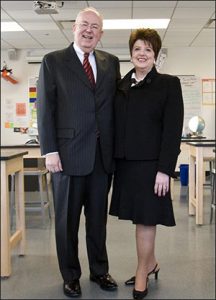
{"x":161,"y":184}
{"x":53,"y":163}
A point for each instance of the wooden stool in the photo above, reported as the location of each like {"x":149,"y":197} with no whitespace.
{"x":43,"y":204}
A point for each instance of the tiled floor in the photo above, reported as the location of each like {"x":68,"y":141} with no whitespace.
{"x":186,"y":254}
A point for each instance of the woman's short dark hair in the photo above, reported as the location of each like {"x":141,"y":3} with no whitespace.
{"x":148,"y":35}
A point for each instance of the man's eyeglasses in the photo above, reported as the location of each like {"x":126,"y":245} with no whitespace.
{"x":86,"y":25}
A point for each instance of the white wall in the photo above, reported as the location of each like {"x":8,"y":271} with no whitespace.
{"x":199,"y":62}
{"x":180,"y":61}
{"x":21,"y":71}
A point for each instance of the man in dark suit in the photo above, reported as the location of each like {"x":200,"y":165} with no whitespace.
{"x":75,"y":123}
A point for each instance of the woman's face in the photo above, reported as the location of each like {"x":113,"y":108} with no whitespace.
{"x":142,"y":57}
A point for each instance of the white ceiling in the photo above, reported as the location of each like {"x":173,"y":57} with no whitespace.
{"x":187,"y":27}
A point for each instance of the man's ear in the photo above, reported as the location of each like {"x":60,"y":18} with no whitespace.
{"x":73,"y":27}
{"x":101,"y":33}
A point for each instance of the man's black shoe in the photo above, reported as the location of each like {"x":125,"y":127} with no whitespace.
{"x":72,"y":288}
{"x":106,"y":282}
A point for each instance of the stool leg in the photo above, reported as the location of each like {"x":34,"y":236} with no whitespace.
{"x":12,"y":199}
{"x":212,"y":196}
{"x":210,"y":172}
{"x":47,"y":192}
{"x":40,"y":181}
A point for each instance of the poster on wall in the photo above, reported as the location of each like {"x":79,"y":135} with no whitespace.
{"x":21,"y":109}
{"x":21,"y":121}
{"x":9,"y":113}
{"x":208,"y":91}
{"x":32,"y":102}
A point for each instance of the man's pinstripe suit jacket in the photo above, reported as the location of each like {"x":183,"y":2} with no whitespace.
{"x":70,"y":112}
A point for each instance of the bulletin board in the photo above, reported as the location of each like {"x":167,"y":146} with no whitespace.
{"x":16,"y":115}
{"x":191,"y":90}
{"x":20,"y":116}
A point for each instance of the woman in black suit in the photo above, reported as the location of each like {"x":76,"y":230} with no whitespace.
{"x":148,"y":128}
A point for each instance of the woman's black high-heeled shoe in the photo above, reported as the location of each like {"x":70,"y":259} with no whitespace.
{"x":155,"y":271}
{"x":139,"y":295}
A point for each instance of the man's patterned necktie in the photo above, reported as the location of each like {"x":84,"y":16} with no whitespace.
{"x":88,"y":69}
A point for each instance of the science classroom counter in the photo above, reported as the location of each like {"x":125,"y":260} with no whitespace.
{"x":33,"y":149}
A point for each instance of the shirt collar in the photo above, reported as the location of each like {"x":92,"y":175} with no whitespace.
{"x":79,"y":51}
{"x":134,"y":76}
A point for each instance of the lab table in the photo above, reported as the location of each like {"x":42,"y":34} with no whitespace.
{"x":11,"y":163}
{"x":198,"y":153}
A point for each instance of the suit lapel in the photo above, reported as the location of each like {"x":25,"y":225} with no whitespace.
{"x":101,"y":67}
{"x":73,"y":63}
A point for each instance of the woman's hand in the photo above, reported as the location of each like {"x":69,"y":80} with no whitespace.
{"x":161,"y":186}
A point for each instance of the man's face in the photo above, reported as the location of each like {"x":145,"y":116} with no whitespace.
{"x":87,"y":31}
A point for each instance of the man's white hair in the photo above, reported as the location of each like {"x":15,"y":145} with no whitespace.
{"x":91,"y":9}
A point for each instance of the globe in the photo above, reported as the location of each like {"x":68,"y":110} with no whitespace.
{"x":196,"y":124}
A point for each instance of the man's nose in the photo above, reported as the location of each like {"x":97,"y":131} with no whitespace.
{"x":89,"y":27}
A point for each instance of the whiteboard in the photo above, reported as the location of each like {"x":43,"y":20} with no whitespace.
{"x":191,"y":91}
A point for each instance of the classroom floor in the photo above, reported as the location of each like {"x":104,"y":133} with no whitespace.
{"x":186,"y":254}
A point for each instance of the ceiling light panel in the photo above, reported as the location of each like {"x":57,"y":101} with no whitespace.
{"x":153,"y":4}
{"x":10,"y":26}
{"x":135,"y":23}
